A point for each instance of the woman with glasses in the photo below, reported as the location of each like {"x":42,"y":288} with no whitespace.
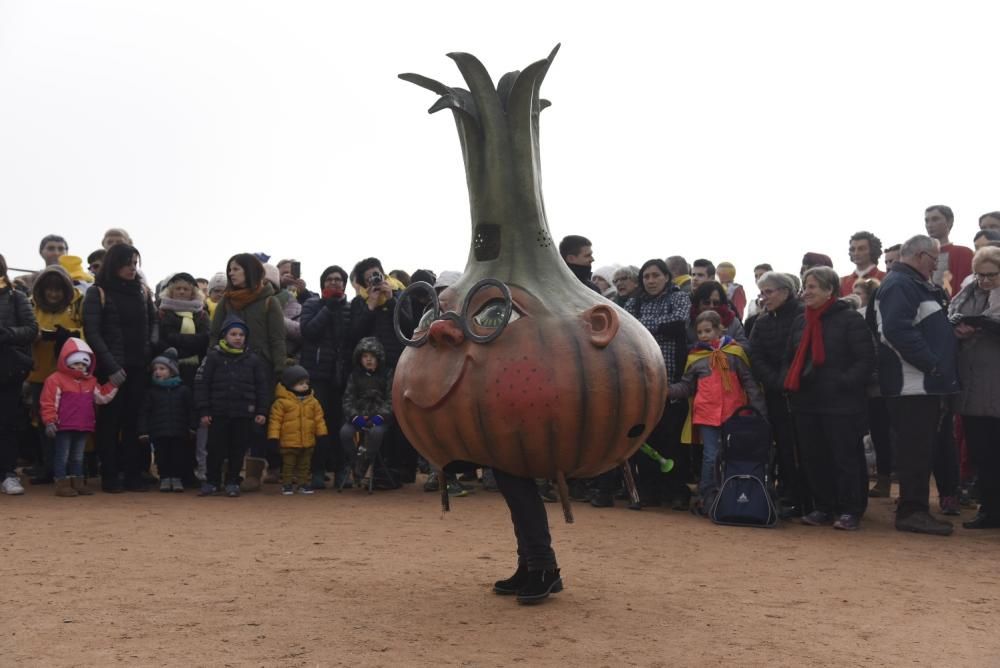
{"x":711,"y":296}
{"x":975,"y":311}
{"x":780,"y":307}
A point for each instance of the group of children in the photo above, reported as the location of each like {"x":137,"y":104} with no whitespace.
{"x":232,"y":398}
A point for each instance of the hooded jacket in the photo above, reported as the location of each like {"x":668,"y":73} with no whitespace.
{"x":69,"y":396}
{"x":295,"y":421}
{"x":56,"y":323}
{"x":379,"y":322}
{"x":232,"y":385}
{"x":368,"y":393}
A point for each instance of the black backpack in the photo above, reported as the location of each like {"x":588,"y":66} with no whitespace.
{"x":744,"y":497}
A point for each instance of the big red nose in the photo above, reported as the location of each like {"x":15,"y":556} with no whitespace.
{"x":446,"y":332}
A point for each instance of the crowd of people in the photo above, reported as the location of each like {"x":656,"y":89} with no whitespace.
{"x":222,"y":384}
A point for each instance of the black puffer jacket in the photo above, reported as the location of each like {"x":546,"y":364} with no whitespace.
{"x":187,"y":345}
{"x":378,"y":323}
{"x":837,"y":387}
{"x":167,"y":412}
{"x":18,"y":327}
{"x":769,"y":344}
{"x":326,"y":330}
{"x":368,"y":393}
{"x":119,"y":323}
{"x":229,"y":385}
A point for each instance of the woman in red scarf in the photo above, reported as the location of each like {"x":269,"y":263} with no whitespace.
{"x":831,"y":355}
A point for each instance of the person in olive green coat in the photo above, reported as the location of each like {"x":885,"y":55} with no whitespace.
{"x":249,"y":297}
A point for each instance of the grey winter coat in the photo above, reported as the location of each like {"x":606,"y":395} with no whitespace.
{"x":979,"y":355}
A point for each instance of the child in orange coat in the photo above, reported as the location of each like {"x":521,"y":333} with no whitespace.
{"x":717,"y":377}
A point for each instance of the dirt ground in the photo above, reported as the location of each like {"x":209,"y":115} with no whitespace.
{"x":386,"y":580}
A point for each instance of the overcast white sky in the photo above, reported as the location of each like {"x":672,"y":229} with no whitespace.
{"x":731,"y":130}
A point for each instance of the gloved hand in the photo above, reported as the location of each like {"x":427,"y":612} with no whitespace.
{"x":358,"y":422}
{"x":51,"y":429}
{"x":118,"y":378}
{"x":273,"y":445}
{"x":378,"y":420}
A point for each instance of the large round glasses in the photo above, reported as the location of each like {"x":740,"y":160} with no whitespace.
{"x":493,"y":315}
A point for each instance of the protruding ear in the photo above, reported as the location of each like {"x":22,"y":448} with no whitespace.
{"x":602,"y":321}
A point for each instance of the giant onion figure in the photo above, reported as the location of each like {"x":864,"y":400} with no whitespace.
{"x":518,"y":366}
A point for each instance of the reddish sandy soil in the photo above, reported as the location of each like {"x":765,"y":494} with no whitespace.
{"x":265,"y":580}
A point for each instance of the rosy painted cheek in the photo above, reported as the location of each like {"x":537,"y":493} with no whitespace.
{"x":523,"y":391}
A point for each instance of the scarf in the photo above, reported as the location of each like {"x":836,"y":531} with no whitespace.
{"x":229,"y":349}
{"x":963,"y":303}
{"x":173,"y":381}
{"x":726,"y":314}
{"x":718,"y":355}
{"x":393,"y":283}
{"x":178,"y":305}
{"x":812,"y":339}
{"x":240,"y":298}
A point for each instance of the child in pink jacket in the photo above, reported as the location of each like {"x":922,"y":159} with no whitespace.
{"x":67,"y":407}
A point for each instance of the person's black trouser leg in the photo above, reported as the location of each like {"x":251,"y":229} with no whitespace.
{"x":531,"y":523}
{"x":834,"y":459}
{"x":327,"y":456}
{"x":945,"y":462}
{"x":915,"y":422}
{"x":783,"y":429}
{"x":880,"y":429}
{"x":241,"y":432}
{"x":982,"y":434}
{"x":10,"y":409}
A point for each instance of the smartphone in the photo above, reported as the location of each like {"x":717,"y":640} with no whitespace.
{"x":297,"y":269}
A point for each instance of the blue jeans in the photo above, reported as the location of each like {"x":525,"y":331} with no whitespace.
{"x":710,"y":437}
{"x":69,"y":447}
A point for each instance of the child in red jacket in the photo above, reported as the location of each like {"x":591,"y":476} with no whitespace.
{"x":717,"y":375}
{"x":67,"y":409}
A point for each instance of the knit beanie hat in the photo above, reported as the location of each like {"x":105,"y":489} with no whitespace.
{"x":293,"y":375}
{"x":217,"y":282}
{"x":79,"y":357}
{"x":168,"y":358}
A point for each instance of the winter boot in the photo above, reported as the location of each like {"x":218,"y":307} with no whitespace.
{"x":80,"y":485}
{"x":537,"y":585}
{"x":254,"y":472}
{"x":64,"y":487}
{"x":883,"y":484}
{"x":513,"y":583}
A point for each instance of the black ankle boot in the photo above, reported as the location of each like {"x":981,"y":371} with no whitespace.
{"x":537,"y":585}
{"x":510,"y":586}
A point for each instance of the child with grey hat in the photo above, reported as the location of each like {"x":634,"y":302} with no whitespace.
{"x":167,"y":419}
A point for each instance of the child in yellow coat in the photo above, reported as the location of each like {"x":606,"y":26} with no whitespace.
{"x":296,"y":422}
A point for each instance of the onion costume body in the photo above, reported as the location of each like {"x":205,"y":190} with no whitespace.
{"x":519,"y":366}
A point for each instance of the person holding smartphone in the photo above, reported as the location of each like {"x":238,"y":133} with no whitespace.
{"x":290,"y":275}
